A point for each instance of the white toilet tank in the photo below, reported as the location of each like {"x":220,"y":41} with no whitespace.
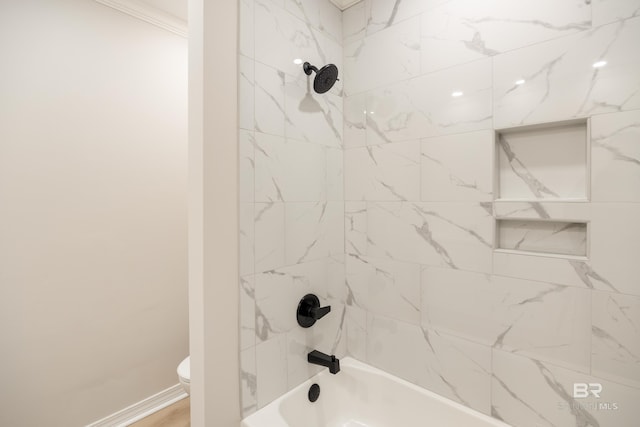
{"x":184,"y":374}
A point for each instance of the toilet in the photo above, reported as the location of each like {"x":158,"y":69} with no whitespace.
{"x":184,"y":374}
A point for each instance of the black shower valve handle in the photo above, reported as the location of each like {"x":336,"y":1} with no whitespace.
{"x":309,"y":311}
{"x":319,"y":312}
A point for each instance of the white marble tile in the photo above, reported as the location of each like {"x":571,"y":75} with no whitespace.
{"x":246,"y":30}
{"x":398,"y":45}
{"x":288,"y":170}
{"x":331,"y":335}
{"x":281,"y":37}
{"x":269,"y":236}
{"x":356,"y":319}
{"x":247,"y":238}
{"x":384,"y":287}
{"x":354,"y":23}
{"x":459,"y":370}
{"x":562,"y":271}
{"x":321,"y":14}
{"x":616,"y":338}
{"x":615,"y":157}
{"x":546,"y":321}
{"x":527,"y":392}
{"x":606,"y":11}
{"x":269,"y":112}
{"x":278,"y":292}
{"x":381,"y":14}
{"x":454,"y":368}
{"x":454,"y":235}
{"x":313,"y":230}
{"x":272,"y":3}
{"x":334,"y":174}
{"x":298,"y":368}
{"x":460,"y":31}
{"x":310,"y":116}
{"x":542,"y":320}
{"x":355,"y":228}
{"x":457,"y":167}
{"x":560,"y":80}
{"x":336,"y":289}
{"x":247,"y":312}
{"x":383,"y":172}
{"x":355,"y":130}
{"x":328,"y":335}
{"x":357,"y":274}
{"x":615,"y":245}
{"x":543,"y":163}
{"x":271,"y":369}
{"x":460,"y":303}
{"x":393,"y":231}
{"x":248,"y":381}
{"x":246,"y":141}
{"x":246,"y":93}
{"x":397,"y":347}
{"x":424,"y":106}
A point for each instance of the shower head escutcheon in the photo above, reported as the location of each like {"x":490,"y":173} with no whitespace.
{"x":325,"y":78}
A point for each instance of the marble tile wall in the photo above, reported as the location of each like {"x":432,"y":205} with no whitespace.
{"x":431,"y":297}
{"x":382,"y":197}
{"x":291,"y":193}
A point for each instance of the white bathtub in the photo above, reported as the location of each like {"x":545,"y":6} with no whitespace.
{"x":363,"y":396}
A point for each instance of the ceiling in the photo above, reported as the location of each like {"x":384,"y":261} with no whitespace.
{"x":343,"y":4}
{"x":178,"y":8}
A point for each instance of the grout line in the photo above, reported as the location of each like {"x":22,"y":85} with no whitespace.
{"x":590,"y":348}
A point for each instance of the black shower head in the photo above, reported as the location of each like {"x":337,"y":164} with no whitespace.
{"x":326,"y":76}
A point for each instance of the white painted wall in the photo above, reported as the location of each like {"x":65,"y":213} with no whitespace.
{"x":93,"y":176}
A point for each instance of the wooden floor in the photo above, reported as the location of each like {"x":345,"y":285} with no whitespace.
{"x":176,"y":415}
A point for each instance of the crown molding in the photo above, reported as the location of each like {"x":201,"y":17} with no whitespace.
{"x":344,"y":4}
{"x":150,"y":14}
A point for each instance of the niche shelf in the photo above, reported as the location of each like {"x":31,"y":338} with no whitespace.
{"x":549,"y":237}
{"x":545,"y":162}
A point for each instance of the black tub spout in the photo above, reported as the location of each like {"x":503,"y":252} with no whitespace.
{"x":330,"y":361}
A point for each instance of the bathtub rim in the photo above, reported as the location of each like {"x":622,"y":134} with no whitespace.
{"x":271,"y":412}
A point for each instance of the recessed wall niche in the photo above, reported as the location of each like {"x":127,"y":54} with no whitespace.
{"x":543,"y":162}
{"x":542,"y":236}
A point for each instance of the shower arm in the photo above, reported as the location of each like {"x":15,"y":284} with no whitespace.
{"x":308,"y":68}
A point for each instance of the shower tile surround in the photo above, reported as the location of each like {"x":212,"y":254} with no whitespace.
{"x":384,"y":198}
{"x":291,"y":193}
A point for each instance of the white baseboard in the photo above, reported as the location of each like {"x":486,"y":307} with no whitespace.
{"x":144,"y":408}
